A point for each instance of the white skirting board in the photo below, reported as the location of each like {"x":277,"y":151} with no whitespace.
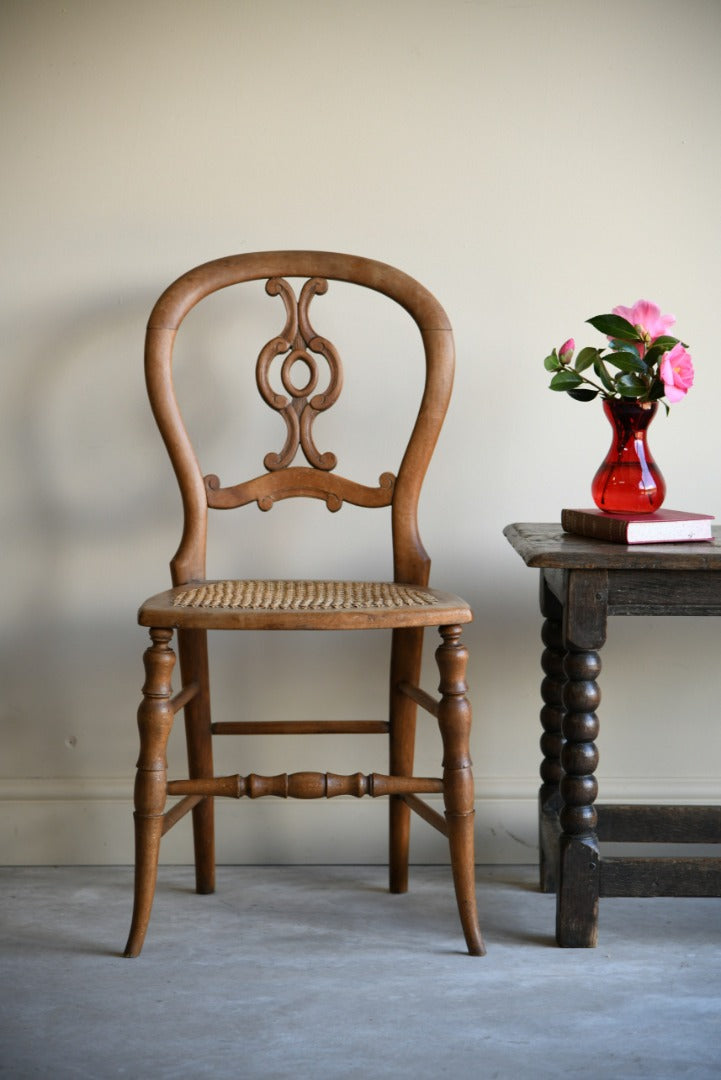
{"x":89,"y":822}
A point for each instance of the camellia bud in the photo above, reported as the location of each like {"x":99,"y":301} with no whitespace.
{"x":565,"y":353}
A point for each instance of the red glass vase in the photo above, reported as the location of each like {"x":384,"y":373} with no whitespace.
{"x":629,"y":481}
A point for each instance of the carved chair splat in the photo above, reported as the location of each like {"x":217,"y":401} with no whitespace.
{"x":405,"y":605}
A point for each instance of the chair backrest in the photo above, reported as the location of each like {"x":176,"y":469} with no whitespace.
{"x":296,"y":343}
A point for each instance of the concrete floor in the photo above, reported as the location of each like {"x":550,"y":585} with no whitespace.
{"x":317,"y":972}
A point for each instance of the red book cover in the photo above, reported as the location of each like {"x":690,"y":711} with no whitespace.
{"x":663,"y":526}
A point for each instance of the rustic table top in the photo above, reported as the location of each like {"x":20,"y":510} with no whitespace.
{"x":547,"y":545}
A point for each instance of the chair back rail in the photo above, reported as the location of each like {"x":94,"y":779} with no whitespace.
{"x":298,"y":340}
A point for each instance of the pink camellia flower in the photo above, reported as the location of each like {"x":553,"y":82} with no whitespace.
{"x":648,"y":317}
{"x":676,"y":370}
{"x":565,"y":353}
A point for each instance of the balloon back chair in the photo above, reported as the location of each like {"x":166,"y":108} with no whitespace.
{"x":405,"y":605}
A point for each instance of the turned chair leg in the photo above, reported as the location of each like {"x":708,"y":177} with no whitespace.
{"x":155,"y":720}
{"x":406,"y":656}
{"x":454,"y":719}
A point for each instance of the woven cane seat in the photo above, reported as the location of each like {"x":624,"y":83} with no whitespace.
{"x":281,"y":604}
{"x":302,"y":595}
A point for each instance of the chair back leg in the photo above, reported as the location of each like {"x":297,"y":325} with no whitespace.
{"x":193,"y":657}
{"x":406,"y":656}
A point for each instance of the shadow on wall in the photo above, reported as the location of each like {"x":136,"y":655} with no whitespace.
{"x":79,"y":424}
{"x":80,"y":433}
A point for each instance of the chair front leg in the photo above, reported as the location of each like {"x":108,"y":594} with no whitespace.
{"x":454,"y":719}
{"x":155,"y":720}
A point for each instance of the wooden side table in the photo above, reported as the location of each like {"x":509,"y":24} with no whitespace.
{"x":583,"y":582}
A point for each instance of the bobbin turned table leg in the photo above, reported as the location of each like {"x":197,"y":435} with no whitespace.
{"x":549,"y":799}
{"x":578,"y":884}
{"x":584,"y":632}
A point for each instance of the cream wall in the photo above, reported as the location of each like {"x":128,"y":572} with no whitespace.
{"x":533,"y":163}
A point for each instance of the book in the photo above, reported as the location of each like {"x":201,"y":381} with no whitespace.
{"x":663,"y":526}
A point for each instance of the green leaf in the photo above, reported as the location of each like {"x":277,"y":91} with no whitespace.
{"x":624,"y":346}
{"x":626,"y":362}
{"x":583,"y":395}
{"x":615,"y":327}
{"x":655,"y":353}
{"x":552,"y":363}
{"x":630,"y":386}
{"x":585,"y":358}
{"x":565,"y":380}
{"x":602,"y":371}
{"x":666,"y":342}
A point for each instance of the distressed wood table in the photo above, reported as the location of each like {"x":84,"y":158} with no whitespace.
{"x":584,"y":581}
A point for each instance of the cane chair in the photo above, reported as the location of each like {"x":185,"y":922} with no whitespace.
{"x":405,"y":605}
